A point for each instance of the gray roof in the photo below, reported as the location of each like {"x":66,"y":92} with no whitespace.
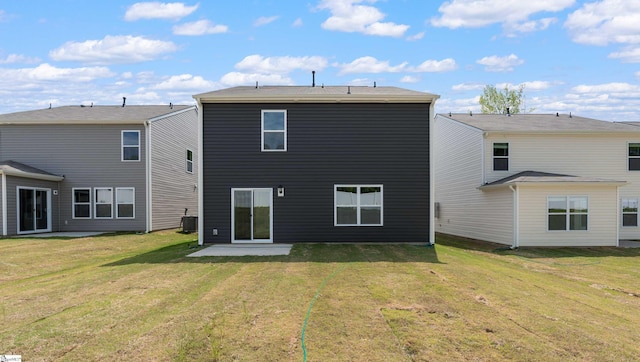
{"x":545,"y":177}
{"x":90,"y":115}
{"x":14,"y":168}
{"x":315,"y":94}
{"x":539,"y":123}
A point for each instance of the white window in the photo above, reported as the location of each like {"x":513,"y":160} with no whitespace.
{"x":189,"y":161}
{"x":103,"y":206}
{"x":274,"y":130}
{"x":358,"y":205}
{"x":630,"y":212}
{"x":81,"y":203}
{"x":130,"y":145}
{"x":501,"y":156}
{"x":567,"y":213}
{"x":125,"y":202}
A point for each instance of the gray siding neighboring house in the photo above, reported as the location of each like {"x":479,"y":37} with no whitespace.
{"x":100,"y":187}
{"x":350,"y":164}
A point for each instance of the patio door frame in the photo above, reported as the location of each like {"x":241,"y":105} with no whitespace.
{"x":36,"y":204}
{"x":252,"y":239}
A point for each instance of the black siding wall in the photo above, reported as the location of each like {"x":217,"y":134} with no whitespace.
{"x":328,"y":144}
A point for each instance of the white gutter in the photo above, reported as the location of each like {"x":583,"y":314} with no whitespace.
{"x":200,"y":175}
{"x":432,"y":184}
{"x":147,"y":161}
{"x":4,"y":204}
{"x":516,"y":217}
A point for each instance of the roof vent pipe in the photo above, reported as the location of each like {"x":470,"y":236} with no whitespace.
{"x":256,"y":84}
{"x":557,"y":114}
{"x":508,"y":113}
{"x":570,"y":115}
{"x":124,"y":101}
{"x":349,"y":90}
{"x":374,"y":84}
{"x":313,"y":78}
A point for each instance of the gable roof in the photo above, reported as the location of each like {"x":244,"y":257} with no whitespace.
{"x":317,"y":94}
{"x":91,"y":115}
{"x":539,"y":123}
{"x":13,"y":168}
{"x":546,"y":177}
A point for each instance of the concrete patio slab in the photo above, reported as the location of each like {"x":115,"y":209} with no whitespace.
{"x":244,"y":250}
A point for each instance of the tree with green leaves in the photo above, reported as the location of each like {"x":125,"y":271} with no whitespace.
{"x":497,"y":101}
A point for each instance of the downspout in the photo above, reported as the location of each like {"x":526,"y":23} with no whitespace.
{"x":483,"y":158}
{"x":618,"y":221}
{"x":516,"y":221}
{"x":4,"y":204}
{"x":147,"y":161}
{"x":200,"y":173}
{"x":432,"y":185}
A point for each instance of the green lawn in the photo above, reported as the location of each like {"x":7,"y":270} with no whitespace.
{"x":138,"y":298}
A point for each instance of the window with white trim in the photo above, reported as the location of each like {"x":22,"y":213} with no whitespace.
{"x":103,"y":204}
{"x":358,"y":205}
{"x":501,"y":156}
{"x":567,"y":213}
{"x":81,"y":202}
{"x":125,"y":202}
{"x":630,"y":212}
{"x":189,"y":161}
{"x":130,"y":142}
{"x":274,"y":130}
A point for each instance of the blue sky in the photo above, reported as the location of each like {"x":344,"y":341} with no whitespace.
{"x":572,"y":56}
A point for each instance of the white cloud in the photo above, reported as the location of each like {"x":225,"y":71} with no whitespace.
{"x":604,"y":22}
{"x":409,"y":79}
{"x":538,"y":85}
{"x":46,"y":72}
{"x":113,"y":49}
{"x":370,"y":65}
{"x":280,"y":65}
{"x":436,"y":66}
{"x":18,"y":58}
{"x":200,"y":27}
{"x":528,"y":26}
{"x":479,"y":13}
{"x":614,"y":87}
{"x":495,"y":63}
{"x":415,"y":37}
{"x":297,"y":23}
{"x":514,"y":15}
{"x":630,"y":54}
{"x":158,"y":10}
{"x":264,"y":20}
{"x":238,"y":78}
{"x":468,"y":87}
{"x":349,"y":17}
{"x":271,"y":70}
{"x":184,"y":82}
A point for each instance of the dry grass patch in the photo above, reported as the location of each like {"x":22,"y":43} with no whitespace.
{"x":137,"y":297}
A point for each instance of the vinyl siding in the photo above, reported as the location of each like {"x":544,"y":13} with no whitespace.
{"x":12,"y":206}
{"x":87,"y":156}
{"x":173,"y":189}
{"x":465,"y":210}
{"x":328,"y":144}
{"x":602,"y":219}
{"x":592,"y":155}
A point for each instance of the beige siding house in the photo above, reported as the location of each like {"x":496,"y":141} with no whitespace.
{"x":537,"y":179}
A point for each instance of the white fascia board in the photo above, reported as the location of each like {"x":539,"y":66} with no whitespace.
{"x":37,"y":176}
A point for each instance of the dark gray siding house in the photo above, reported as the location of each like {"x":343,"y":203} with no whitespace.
{"x":100,"y":168}
{"x":315,"y":164}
